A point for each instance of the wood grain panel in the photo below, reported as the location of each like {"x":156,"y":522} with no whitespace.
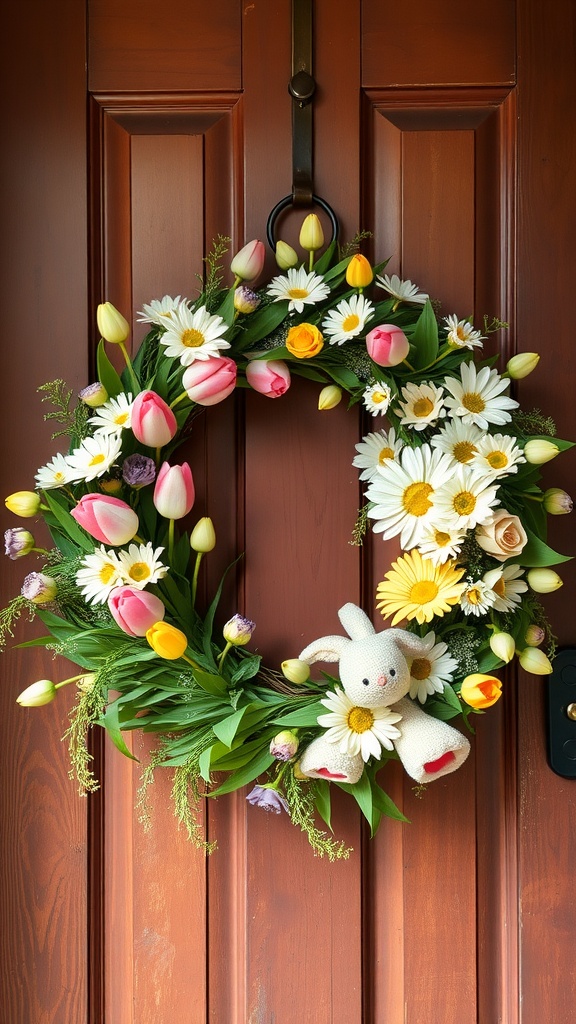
{"x":449,"y":42}
{"x":182,"y":44}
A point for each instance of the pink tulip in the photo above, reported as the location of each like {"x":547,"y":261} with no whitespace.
{"x":153,"y":422}
{"x":107,"y":519}
{"x":387,"y":345}
{"x":211,"y":380}
{"x":269,"y":377}
{"x":174,"y":491}
{"x":135,"y":610}
{"x":249,"y":262}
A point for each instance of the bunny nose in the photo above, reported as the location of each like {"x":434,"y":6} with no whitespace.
{"x":382,"y":680}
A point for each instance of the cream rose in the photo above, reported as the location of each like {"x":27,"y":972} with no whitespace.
{"x":503,"y":537}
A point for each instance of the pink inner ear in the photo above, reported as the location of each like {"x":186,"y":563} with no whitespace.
{"x":327,"y":774}
{"x":435,"y":766}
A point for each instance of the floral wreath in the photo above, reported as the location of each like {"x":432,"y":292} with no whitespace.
{"x":454,"y":474}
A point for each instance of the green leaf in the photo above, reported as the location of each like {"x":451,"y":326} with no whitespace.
{"x":107,"y":375}
{"x":425,"y":338}
{"x":110,"y":721}
{"x":322,"y":800}
{"x":537,"y":553}
{"x":214,"y":685}
{"x":302,"y":717}
{"x":259,"y":325}
{"x":244,"y":775}
{"x":68,"y":524}
{"x":226,"y":730}
{"x":362,"y":793}
{"x":247,"y":669}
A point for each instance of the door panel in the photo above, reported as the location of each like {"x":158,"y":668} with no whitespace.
{"x":416,"y":139}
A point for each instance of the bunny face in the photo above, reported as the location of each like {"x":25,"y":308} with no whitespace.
{"x":374,"y":672}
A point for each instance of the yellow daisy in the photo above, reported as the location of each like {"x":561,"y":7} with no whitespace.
{"x":415,"y":588}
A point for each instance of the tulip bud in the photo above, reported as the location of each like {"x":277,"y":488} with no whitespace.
{"x":34,"y":696}
{"x":174,"y":491}
{"x":533,"y":660}
{"x":210,"y":381}
{"x":111,"y":324}
{"x":387,"y":345}
{"x":23,"y":503}
{"x":107,"y":519}
{"x":480,"y":691}
{"x":270,"y":377}
{"x":94,"y":395}
{"x":39,"y":588}
{"x":557,"y":502}
{"x":135,"y":611}
{"x":18,"y":542}
{"x":286,"y":257}
{"x":359,"y":273}
{"x":503,"y":646}
{"x":284,"y":746}
{"x":245,"y":300}
{"x":329,"y":397}
{"x":248,"y":263}
{"x":311,"y":233}
{"x":535,"y":635}
{"x":543,"y":581}
{"x":168,"y":642}
{"x":295,"y":671}
{"x":203,"y":537}
{"x":152,"y":420}
{"x":538,"y":451}
{"x":521,"y":365}
{"x":238,"y":630}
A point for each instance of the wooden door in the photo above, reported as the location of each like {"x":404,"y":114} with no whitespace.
{"x":446,"y":128}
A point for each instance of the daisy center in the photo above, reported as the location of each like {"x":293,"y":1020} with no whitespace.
{"x":360,"y":719}
{"x":59,"y":476}
{"x":106,"y":573}
{"x":464,"y":503}
{"x":298,"y":293}
{"x":463,"y":451}
{"x":423,"y":407}
{"x":385,"y":453}
{"x":121,"y":419}
{"x":461,"y":333}
{"x":351,"y":322}
{"x":497,"y":460}
{"x":473,"y":401}
{"x":192,"y":338}
{"x":96,"y":460}
{"x":139,"y":571}
{"x":441,"y":538}
{"x":415,"y":498}
{"x":423,"y":592}
{"x":421,"y":668}
{"x":474,"y":596}
{"x":500,"y":588}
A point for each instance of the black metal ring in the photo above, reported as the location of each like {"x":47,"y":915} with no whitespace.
{"x":289,"y":201}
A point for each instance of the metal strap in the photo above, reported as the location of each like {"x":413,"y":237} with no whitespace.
{"x":302,"y":87}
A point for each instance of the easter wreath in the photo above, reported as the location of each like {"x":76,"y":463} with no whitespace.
{"x":454,"y":474}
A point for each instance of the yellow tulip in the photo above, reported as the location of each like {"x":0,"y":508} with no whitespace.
{"x":112,"y":325}
{"x":543,"y":581}
{"x":34,"y":696}
{"x":521,"y":365}
{"x":203,"y":538}
{"x":329,"y":397}
{"x":503,"y":646}
{"x":480,"y":691}
{"x":286,"y":257}
{"x":295,"y":671}
{"x":311,"y":233}
{"x":23,"y":503}
{"x":533,"y":660}
{"x":167,"y":641}
{"x":359,"y":272}
{"x":538,"y":451}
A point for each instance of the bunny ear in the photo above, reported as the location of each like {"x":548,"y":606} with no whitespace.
{"x":328,"y":648}
{"x":355,"y":622}
{"x":412,"y":646}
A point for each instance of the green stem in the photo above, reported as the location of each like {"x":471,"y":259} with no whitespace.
{"x":171,"y":540}
{"x":190,"y":662}
{"x":40,"y":551}
{"x":179,"y":399}
{"x":195,"y":577}
{"x":72,"y":679}
{"x":223,"y":655}
{"x":128,"y":362}
{"x":311,"y":261}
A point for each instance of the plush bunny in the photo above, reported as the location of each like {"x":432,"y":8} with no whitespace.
{"x":375,"y":675}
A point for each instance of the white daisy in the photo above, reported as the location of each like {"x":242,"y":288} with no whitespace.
{"x":299,"y":287}
{"x":358,"y":730}
{"x":404,"y":494}
{"x":477,"y":397}
{"x":461,"y":333}
{"x":376,"y":398}
{"x":477,"y":598}
{"x":374,"y":450}
{"x":465,"y":500}
{"x":458,"y":439}
{"x":422,"y":406}
{"x":507,"y":585}
{"x":102,"y":572}
{"x":432,"y":671}
{"x":497,"y":455}
{"x":56,"y":473}
{"x":159,"y":311}
{"x":94,"y":457}
{"x":114,"y":416}
{"x":402,"y":291}
{"x":140,"y":565}
{"x":348,"y":319}
{"x":194,"y":335}
{"x":440,"y":543}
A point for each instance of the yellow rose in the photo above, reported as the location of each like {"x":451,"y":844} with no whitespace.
{"x":304,"y":341}
{"x":166,"y":640}
{"x":480,"y":691}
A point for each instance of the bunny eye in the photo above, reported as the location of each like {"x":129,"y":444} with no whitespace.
{"x":366,"y":682}
{"x":392,"y":672}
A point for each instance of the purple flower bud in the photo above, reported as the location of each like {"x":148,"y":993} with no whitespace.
{"x":284,"y":746}
{"x":138,"y":471}
{"x":39,"y":588}
{"x":268,"y":799}
{"x":245,"y":300}
{"x":18,"y":542}
{"x":238,"y":630}
{"x":94,"y":395}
